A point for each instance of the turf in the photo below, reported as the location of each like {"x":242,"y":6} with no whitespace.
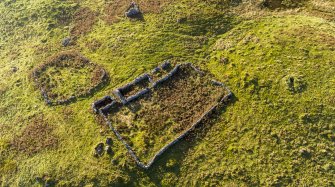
{"x":279,"y":129}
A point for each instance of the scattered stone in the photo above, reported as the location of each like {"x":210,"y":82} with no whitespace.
{"x":109,"y":141}
{"x":155,"y":70}
{"x":304,"y":152}
{"x":132,"y":12}
{"x":109,"y":150}
{"x":224,"y":60}
{"x":166,"y":65}
{"x":14,"y":69}
{"x":99,"y":149}
{"x":66,"y":42}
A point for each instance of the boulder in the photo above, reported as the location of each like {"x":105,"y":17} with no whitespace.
{"x":99,"y":149}
{"x":133,"y":12}
{"x":109,"y":150}
{"x":109,"y":141}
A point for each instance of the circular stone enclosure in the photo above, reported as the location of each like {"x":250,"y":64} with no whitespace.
{"x":67,"y":76}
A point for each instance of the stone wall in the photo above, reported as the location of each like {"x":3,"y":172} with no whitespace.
{"x":104,"y":111}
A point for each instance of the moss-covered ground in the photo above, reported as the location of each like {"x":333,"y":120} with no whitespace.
{"x":279,"y":129}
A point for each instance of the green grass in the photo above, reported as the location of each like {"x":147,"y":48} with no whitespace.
{"x":276,"y":132}
{"x":68,"y":81}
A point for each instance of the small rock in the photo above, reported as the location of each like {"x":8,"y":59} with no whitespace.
{"x":305,"y":152}
{"x":133,"y":10}
{"x":224,"y":60}
{"x":109,"y":150}
{"x":14,"y":69}
{"x":155,"y":70}
{"x":99,"y":149}
{"x":109,"y":141}
{"x":66,"y":41}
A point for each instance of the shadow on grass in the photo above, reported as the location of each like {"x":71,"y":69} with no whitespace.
{"x":217,"y":25}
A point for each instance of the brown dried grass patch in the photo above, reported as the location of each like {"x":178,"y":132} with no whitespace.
{"x":37,"y":136}
{"x":84,"y":20}
{"x":92,"y":76}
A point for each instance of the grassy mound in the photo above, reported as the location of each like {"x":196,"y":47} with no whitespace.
{"x":65,"y":76}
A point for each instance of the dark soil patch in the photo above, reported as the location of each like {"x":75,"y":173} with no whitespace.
{"x":68,"y":75}
{"x":84,"y":20}
{"x":150,"y":123}
{"x":36,"y":137}
{"x":274,"y":4}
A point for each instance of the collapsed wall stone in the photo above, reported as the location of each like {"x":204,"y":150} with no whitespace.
{"x":127,"y":87}
{"x":169,"y":75}
{"x":138,"y":95}
{"x":156,"y":70}
{"x":118,"y":94}
{"x":195,"y":68}
{"x":166,"y":65}
{"x":105,"y":110}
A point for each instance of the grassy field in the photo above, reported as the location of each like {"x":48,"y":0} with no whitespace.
{"x":278,"y":60}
